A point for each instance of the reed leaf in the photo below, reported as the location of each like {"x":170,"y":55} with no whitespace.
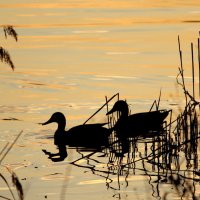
{"x":5,"y":57}
{"x":9,"y":30}
{"x":18,"y":186}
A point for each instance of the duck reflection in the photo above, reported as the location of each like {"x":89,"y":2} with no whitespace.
{"x":87,"y":136}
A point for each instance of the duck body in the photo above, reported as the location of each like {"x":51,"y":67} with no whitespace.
{"x":139,"y":124}
{"x":88,"y":135}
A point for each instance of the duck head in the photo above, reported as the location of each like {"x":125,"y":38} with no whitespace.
{"x":120,"y":106}
{"x":58,"y":118}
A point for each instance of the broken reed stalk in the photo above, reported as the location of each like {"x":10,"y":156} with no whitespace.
{"x":156,"y":103}
{"x":159,"y":100}
{"x":101,"y":107}
{"x":10,"y":147}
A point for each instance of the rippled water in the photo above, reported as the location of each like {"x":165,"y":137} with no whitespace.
{"x":70,"y":55}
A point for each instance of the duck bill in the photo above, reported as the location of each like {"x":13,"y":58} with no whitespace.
{"x":47,"y":122}
{"x":111,"y":111}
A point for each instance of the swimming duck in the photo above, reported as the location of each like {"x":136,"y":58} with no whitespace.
{"x":139,"y":124}
{"x":88,"y":135}
{"x":82,"y":135}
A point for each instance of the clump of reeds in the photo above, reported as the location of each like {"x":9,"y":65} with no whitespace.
{"x":15,"y":180}
{"x":187,"y":129}
{"x":182,"y":139}
{"x":4,"y":54}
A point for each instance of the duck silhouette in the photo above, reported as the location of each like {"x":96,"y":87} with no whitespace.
{"x":139,"y":124}
{"x":88,"y":136}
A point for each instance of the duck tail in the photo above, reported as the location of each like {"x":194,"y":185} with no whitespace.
{"x":165,"y":113}
{"x":103,"y":124}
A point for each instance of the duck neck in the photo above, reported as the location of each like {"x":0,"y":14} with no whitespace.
{"x":61,"y":126}
{"x":124,"y":113}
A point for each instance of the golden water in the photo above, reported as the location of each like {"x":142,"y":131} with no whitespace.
{"x":70,"y":55}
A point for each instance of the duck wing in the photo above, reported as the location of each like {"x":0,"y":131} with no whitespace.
{"x":87,"y":135}
{"x":156,"y":116}
{"x":140,"y":123}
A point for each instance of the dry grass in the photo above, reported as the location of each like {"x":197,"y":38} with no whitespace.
{"x":15,"y":180}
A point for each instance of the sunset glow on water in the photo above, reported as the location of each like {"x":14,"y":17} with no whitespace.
{"x":69,"y":56}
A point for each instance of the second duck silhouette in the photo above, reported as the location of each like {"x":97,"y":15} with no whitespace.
{"x":92,"y":136}
{"x":139,"y":124}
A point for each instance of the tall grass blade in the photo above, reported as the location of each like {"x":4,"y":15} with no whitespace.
{"x":199,"y":63}
{"x":10,"y":146}
{"x":192,"y":54}
{"x":4,"y":148}
{"x":181,"y":71}
{"x":4,"y":179}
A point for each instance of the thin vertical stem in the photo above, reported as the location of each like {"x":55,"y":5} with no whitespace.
{"x":107,"y":111}
{"x":181,"y":70}
{"x":199,"y":63}
{"x":192,"y":70}
{"x":159,"y":99}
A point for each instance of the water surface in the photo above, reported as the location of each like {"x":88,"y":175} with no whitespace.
{"x":70,"y":55}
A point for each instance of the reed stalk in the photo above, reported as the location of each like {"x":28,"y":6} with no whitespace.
{"x":192,"y":54}
{"x":101,"y":107}
{"x":10,"y":147}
